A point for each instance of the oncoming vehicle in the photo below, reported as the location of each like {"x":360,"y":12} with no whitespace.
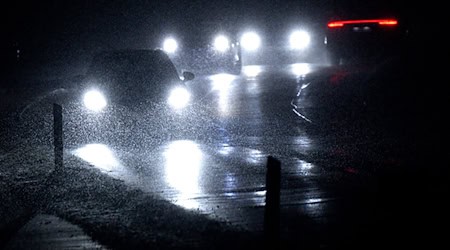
{"x":128,"y":91}
{"x":210,"y":51}
{"x":280,"y":43}
{"x":133,"y":77}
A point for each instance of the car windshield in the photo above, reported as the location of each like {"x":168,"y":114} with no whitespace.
{"x":209,"y":124}
{"x":139,"y":67}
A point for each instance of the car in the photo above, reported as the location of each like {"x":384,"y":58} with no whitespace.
{"x":130,"y":77}
{"x":128,"y":90}
{"x":214,"y":49}
{"x":356,"y":99}
{"x":365,"y":33}
{"x":280,"y":43}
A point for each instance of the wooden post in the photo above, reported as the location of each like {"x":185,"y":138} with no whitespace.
{"x":272,"y":208}
{"x":58,"y":136}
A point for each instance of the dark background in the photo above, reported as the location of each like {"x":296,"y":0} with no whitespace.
{"x":53,"y":33}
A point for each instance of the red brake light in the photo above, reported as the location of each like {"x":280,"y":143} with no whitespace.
{"x":384,"y":22}
{"x":335,"y":24}
{"x":388,"y":22}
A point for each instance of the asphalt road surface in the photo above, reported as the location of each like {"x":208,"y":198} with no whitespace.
{"x":334,"y":187}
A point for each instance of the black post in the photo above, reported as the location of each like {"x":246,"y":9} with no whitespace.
{"x":272,"y":208}
{"x":58,"y":136}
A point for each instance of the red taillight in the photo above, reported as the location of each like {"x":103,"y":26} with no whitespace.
{"x":388,"y":22}
{"x":335,"y":24}
{"x":384,"y":22}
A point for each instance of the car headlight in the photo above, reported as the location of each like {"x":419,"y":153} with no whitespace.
{"x":221,"y":43}
{"x":94,"y":100}
{"x":179,"y":98}
{"x":250,"y":41}
{"x":299,"y":40}
{"x":170,"y":45}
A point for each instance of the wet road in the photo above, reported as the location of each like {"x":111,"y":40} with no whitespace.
{"x":224,"y":174}
{"x":217,"y":166}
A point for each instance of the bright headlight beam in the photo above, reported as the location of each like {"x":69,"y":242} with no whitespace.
{"x":179,"y":98}
{"x":221,"y":43}
{"x":94,"y":100}
{"x":170,"y":45}
{"x":299,"y":40}
{"x":250,"y":41}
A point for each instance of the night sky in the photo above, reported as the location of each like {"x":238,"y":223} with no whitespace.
{"x":65,"y":30}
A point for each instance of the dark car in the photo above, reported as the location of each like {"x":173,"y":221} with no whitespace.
{"x":124,"y":91}
{"x":210,"y":49}
{"x":131,"y":77}
{"x":379,"y":97}
{"x":366,"y":32}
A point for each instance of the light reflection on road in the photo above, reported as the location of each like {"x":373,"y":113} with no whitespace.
{"x":229,"y":172}
{"x":300,"y":69}
{"x":222,"y":83}
{"x":99,"y":155}
{"x":252,"y":71}
{"x":183,"y":163}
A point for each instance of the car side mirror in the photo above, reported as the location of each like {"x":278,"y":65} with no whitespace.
{"x":188,"y":76}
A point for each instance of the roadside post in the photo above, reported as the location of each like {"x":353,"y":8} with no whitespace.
{"x":58,"y":136}
{"x":272,"y":207}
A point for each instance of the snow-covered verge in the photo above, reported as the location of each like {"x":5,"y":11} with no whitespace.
{"x":115,"y":214}
{"x":23,"y":174}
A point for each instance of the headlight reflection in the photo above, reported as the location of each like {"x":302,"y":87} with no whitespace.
{"x":223,"y":84}
{"x":300,"y":69}
{"x":252,"y":70}
{"x":98,"y":155}
{"x":183,"y":162}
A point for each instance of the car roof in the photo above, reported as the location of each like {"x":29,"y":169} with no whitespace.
{"x":155,"y":53}
{"x":356,"y":9}
{"x":132,"y":61}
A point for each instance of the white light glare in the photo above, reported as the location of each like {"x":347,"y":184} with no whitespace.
{"x":221,"y":43}
{"x":252,"y":70}
{"x":98,"y":155}
{"x":250,"y":41}
{"x":299,"y":40}
{"x":300,"y":69}
{"x":170,"y":45}
{"x":94,"y":100}
{"x":179,"y":98}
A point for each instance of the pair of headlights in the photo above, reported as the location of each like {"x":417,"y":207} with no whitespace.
{"x":96,"y":101}
{"x":221,"y":43}
{"x":298,"y":40}
{"x":250,"y":41}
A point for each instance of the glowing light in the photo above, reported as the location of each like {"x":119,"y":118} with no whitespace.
{"x":252,"y":70}
{"x":254,"y":156}
{"x":179,"y":98}
{"x":221,"y":43}
{"x":170,"y":45}
{"x":223,"y":84}
{"x":250,"y":41}
{"x":94,"y":100}
{"x":339,"y":24}
{"x":299,"y":40}
{"x":98,"y":155}
{"x":300,"y":69}
{"x":183,"y":161}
